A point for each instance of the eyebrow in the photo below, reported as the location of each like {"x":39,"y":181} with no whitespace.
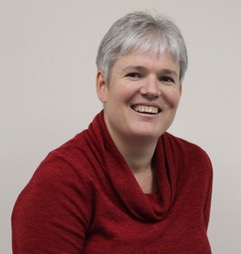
{"x":141,"y":68}
{"x":168,"y":71}
{"x":134,"y":67}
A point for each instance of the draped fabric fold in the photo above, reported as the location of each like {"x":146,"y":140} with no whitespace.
{"x":122,"y":180}
{"x":84,"y":198}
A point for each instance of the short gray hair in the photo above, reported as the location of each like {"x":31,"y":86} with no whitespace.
{"x":142,"y":32}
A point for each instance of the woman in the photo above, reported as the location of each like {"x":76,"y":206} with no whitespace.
{"x":124,"y":185}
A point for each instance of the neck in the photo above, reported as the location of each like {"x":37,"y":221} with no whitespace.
{"x":137,"y":152}
{"x":139,"y":158}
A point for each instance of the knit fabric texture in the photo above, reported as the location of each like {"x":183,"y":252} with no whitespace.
{"x":83,"y":198}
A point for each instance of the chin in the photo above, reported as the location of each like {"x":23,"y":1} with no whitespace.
{"x":152,"y":134}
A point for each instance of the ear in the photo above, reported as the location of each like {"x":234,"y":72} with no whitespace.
{"x":180,"y":89}
{"x":101,"y":86}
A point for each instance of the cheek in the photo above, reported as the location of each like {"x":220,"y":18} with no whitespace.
{"x":172,"y":99}
{"x":121,"y":95}
{"x":115,"y":100}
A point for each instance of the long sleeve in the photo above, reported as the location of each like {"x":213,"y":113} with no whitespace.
{"x":207,"y":207}
{"x":52,"y":213}
{"x":83,"y":198}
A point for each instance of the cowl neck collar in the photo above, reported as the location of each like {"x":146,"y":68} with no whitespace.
{"x":140,"y":205}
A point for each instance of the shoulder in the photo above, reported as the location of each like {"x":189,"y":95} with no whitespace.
{"x":56,"y":183}
{"x":58,"y":199}
{"x":189,"y":159}
{"x":183,"y":144}
{"x":64,"y":170}
{"x":187,"y":150}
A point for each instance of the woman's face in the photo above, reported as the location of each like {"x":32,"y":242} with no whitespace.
{"x":142,"y":96}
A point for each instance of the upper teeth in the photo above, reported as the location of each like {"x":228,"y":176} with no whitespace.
{"x":146,"y":109}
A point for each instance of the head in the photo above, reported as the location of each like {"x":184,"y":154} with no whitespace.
{"x":143,"y":33}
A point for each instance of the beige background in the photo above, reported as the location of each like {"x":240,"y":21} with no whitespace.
{"x":47,"y":89}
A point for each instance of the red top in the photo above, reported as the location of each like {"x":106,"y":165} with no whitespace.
{"x":83,"y":198}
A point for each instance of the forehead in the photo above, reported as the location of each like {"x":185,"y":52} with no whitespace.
{"x":153,"y":61}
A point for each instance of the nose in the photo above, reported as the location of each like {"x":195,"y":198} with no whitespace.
{"x":150,"y":88}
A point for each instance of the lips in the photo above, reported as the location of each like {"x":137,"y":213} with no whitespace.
{"x":146,"y":109}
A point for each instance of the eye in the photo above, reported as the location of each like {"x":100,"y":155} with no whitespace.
{"x":134,"y":75}
{"x":167,"y":79}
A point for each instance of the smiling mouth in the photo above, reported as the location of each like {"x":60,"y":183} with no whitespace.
{"x":151,"y":110}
